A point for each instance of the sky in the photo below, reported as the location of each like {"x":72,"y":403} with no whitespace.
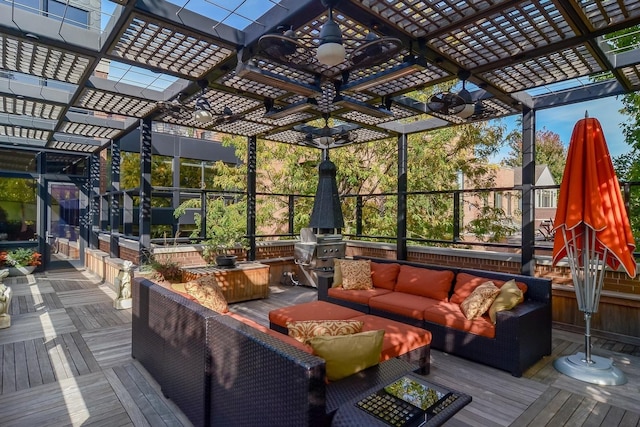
{"x":561,"y":120}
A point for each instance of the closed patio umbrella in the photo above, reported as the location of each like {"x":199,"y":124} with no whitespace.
{"x":592,"y":231}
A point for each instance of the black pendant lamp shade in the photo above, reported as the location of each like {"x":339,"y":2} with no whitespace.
{"x":327,"y":212}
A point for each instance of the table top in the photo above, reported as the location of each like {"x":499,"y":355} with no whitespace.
{"x":350,"y":415}
{"x":209,"y":269}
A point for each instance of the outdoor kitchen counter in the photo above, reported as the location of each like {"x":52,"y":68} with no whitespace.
{"x":245,"y":281}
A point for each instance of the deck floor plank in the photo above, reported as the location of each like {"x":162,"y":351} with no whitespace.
{"x":44,"y":362}
{"x":66,"y":360}
{"x":33,"y":365}
{"x":8,"y":369}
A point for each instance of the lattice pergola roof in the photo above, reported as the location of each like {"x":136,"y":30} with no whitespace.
{"x":60,"y":87}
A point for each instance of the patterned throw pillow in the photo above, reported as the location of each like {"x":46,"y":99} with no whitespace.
{"x":510,"y":295}
{"x":476,"y":304}
{"x":208,"y":293}
{"x":304,"y":330}
{"x":356,"y":274}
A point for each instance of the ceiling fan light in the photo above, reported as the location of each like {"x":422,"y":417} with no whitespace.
{"x":203,"y":116}
{"x":331,"y":51}
{"x":330,"y":54}
{"x":325,"y":140}
{"x":467,"y":111}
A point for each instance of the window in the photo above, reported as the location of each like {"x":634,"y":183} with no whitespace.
{"x":546,"y":198}
{"x":18,"y":209}
{"x":56,"y":10}
{"x":71,"y":15}
{"x":497,"y":200}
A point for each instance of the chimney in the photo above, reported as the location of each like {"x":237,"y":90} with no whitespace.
{"x":327,"y":212}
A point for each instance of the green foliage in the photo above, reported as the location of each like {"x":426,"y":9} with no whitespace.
{"x":550,"y":151}
{"x":492,"y":225}
{"x":627,"y":166}
{"x":165,"y":270}
{"x":225,"y":224}
{"x":369,"y":169}
{"x":20,"y":257}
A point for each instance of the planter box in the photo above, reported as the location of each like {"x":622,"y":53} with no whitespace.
{"x":246,"y":281}
{"x":21,"y":271}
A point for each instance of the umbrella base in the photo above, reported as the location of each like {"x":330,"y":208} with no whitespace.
{"x":601,"y":371}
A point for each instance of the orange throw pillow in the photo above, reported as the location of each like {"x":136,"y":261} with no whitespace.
{"x":424,"y":282}
{"x":384,"y":275}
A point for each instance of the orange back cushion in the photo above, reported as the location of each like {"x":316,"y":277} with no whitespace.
{"x":384,"y":275}
{"x":425,"y":282}
{"x":467,"y":283}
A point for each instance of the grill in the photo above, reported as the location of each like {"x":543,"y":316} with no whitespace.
{"x":315,"y":254}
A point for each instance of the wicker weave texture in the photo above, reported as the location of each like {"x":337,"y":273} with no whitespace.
{"x":147,"y":343}
{"x":260,"y":380}
{"x":186,"y":358}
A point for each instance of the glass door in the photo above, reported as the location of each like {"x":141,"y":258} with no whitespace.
{"x":64,"y":218}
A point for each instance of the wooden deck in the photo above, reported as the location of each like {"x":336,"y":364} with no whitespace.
{"x":66,"y":360}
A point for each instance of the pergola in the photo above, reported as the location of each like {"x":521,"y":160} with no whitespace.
{"x":71,"y":85}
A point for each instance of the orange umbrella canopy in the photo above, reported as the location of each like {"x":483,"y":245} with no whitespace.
{"x":590,"y":204}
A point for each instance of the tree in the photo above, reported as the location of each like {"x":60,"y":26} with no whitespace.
{"x":550,"y":151}
{"x":369,"y":169}
{"x":627,"y":166}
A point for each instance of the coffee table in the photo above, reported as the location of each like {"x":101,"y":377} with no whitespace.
{"x":350,"y":415}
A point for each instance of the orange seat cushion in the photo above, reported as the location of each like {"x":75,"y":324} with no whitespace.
{"x":359,"y":296}
{"x":384,"y":275}
{"x":425,"y":282}
{"x":314,"y":310}
{"x":282,"y":337}
{"x":407,"y":305}
{"x":449,"y":314}
{"x":399,"y":338}
{"x":467,"y":283}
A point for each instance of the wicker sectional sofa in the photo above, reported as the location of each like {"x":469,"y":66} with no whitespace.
{"x":520,"y":337}
{"x":222,"y":369}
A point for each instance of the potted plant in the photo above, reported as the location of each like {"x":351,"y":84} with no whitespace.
{"x":225,"y":228}
{"x":20,"y":261}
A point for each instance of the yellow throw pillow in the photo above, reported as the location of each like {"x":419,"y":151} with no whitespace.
{"x":476,"y":304}
{"x":208,"y":293}
{"x":337,"y":273}
{"x":304,"y":330}
{"x":356,"y":274}
{"x":510,"y":295}
{"x":345,"y":355}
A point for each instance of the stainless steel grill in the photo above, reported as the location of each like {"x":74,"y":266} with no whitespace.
{"x":315,"y":253}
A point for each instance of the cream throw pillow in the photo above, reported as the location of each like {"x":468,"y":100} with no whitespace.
{"x":510,"y":295}
{"x":476,"y":304}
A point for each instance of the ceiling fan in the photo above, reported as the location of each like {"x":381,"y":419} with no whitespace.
{"x":328,"y":136}
{"x":327,"y":49}
{"x":201,"y":111}
{"x":454,"y":104}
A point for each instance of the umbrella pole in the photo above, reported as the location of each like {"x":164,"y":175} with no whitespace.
{"x":587,"y":338}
